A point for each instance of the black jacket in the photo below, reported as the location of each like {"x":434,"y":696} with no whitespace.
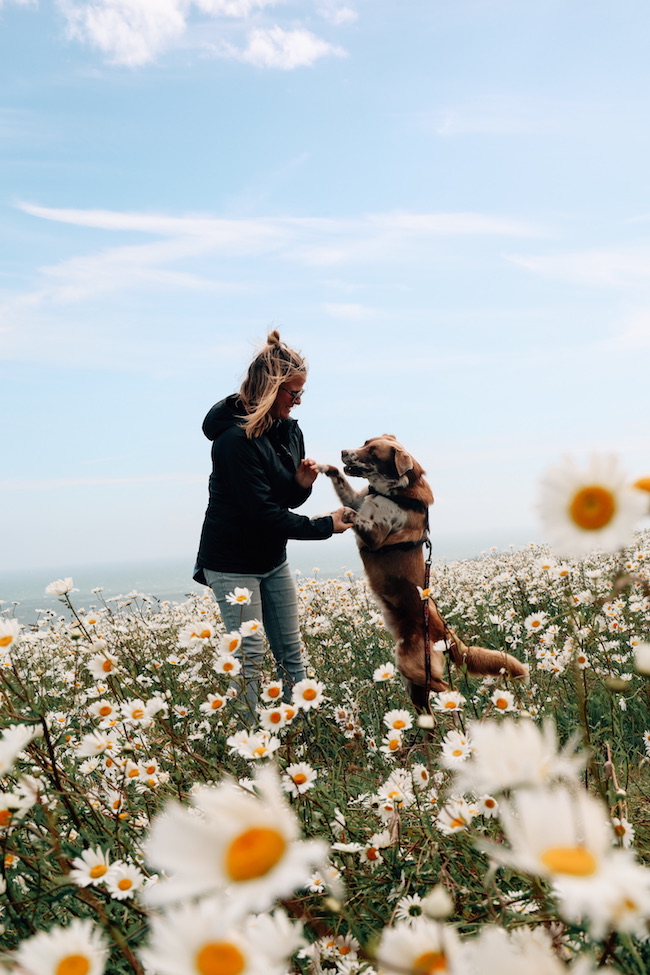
{"x":252,"y":486}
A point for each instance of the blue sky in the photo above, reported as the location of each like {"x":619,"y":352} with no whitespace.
{"x":445,"y":206}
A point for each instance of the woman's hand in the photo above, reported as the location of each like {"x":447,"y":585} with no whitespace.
{"x":307,"y":472}
{"x":338,"y":522}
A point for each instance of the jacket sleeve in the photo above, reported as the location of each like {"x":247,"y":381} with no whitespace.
{"x":298,"y":495}
{"x":249,"y":485}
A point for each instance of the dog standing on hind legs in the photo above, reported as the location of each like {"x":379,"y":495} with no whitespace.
{"x":390,"y":520}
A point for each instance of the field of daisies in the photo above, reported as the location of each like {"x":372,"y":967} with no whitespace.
{"x":149,"y":825}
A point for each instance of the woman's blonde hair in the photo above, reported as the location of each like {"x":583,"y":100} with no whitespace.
{"x":267,"y":372}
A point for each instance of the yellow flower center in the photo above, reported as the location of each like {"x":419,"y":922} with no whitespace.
{"x":429,"y":962}
{"x":309,"y":694}
{"x":98,"y":870}
{"x":5,"y":817}
{"x":399,"y":724}
{"x":73,"y":965}
{"x":457,"y":821}
{"x":227,"y":666}
{"x":5,"y":640}
{"x":592,"y":507}
{"x":501,"y":703}
{"x":138,"y":713}
{"x":254,"y":853}
{"x":134,"y":773}
{"x":104,"y":710}
{"x":232,"y":646}
{"x":456,"y":752}
{"x":450,"y":704}
{"x":643,"y":484}
{"x":219,"y":958}
{"x":274,"y":692}
{"x":289,"y":713}
{"x":107,"y":666}
{"x":573,"y":860}
{"x":619,"y":830}
{"x":125,"y":883}
{"x":204,"y":634}
{"x":216,"y":704}
{"x":372,"y":853}
{"x":299,"y":778}
{"x":393,"y":744}
{"x":275,"y":718}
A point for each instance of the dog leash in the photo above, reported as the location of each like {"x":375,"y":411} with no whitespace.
{"x":427,"y":641}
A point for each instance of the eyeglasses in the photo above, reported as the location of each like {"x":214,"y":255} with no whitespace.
{"x":294,"y":393}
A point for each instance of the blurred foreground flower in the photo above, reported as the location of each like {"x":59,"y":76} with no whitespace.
{"x":232,"y":839}
{"x":13,"y":741}
{"x":513,"y":753}
{"x":63,"y":951}
{"x":582,"y":510}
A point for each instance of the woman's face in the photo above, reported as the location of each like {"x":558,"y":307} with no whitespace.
{"x":288,"y":396}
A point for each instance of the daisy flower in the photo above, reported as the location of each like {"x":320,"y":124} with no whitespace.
{"x":503,"y":700}
{"x":272,"y":692}
{"x":202,"y":938}
{"x":448,"y":701}
{"x":398,"y":720}
{"x":592,"y":508}
{"x":193,"y":634}
{"x":79,"y":947}
{"x":102,"y":664}
{"x":60,"y":587}
{"x":103,"y":709}
{"x":536,"y":622}
{"x":13,"y":741}
{"x":230,"y":642}
{"x":455,"y":748}
{"x":391,"y":743}
{"x":215,"y":702}
{"x":371,"y":853}
{"x":420,"y":776}
{"x":246,"y":843}
{"x":488,"y":806}
{"x":298,"y":778}
{"x":623,"y":831}
{"x":249,"y":627}
{"x":272,"y":718}
{"x":308,"y":694}
{"x":508,"y":754}
{"x":9,"y":634}
{"x":227,"y":664}
{"x":384,"y":673}
{"x":408,"y":908}
{"x":554,"y":833}
{"x":455,"y":816}
{"x":240,"y":597}
{"x":418,"y":947}
{"x":123,"y":880}
{"x":90,"y":868}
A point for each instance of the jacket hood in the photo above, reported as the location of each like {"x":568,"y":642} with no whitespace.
{"x":222,"y":416}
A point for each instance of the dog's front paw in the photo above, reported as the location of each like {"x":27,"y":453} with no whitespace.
{"x":329,"y":470}
{"x":349,"y":516}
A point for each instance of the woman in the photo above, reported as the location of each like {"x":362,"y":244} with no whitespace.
{"x":259,"y":472}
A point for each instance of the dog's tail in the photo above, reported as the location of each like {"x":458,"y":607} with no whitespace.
{"x":481,"y":662}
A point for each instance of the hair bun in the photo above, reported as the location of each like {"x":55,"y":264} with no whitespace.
{"x":273,"y":339}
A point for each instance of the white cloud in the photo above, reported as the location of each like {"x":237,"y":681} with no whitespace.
{"x":336,"y":14}
{"x":284,"y":49}
{"x":614,"y":268}
{"x":135,"y":32}
{"x":130,"y":32}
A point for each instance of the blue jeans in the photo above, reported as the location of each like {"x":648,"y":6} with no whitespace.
{"x":275,"y":603}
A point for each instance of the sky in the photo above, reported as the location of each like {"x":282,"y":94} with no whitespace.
{"x":444,"y":205}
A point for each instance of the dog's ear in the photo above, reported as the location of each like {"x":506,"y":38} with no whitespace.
{"x":403,"y":461}
{"x":388,"y":436}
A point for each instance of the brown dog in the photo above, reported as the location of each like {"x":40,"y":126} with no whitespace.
{"x":390,"y":519}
